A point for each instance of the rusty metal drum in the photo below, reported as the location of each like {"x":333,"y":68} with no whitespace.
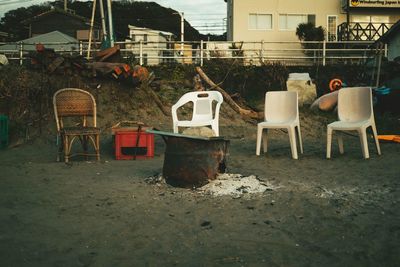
{"x":192,"y":161}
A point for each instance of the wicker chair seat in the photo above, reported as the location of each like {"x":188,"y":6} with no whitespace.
{"x":80,"y":130}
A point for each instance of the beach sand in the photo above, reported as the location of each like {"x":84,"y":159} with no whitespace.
{"x":316,"y":212}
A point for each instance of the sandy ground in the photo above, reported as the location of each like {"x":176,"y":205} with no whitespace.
{"x":339,"y":212}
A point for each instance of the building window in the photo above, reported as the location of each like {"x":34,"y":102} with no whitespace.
{"x":84,"y":35}
{"x":291,"y":21}
{"x":260,"y":21}
{"x":145,"y":59}
{"x":332,"y":28}
{"x":369,"y":19}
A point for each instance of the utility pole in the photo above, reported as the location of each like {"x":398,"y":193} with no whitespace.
{"x":182,"y":31}
{"x":65,"y":5}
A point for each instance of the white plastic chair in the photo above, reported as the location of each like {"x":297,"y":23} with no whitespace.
{"x":355,"y":112}
{"x":202,"y":110}
{"x":281,"y":111}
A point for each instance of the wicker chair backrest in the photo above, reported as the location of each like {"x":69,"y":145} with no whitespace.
{"x":74,"y":102}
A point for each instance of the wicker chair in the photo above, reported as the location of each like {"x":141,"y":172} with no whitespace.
{"x":75,"y":113}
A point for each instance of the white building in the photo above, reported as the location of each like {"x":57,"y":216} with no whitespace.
{"x":277,"y":20}
{"x":150,"y":44}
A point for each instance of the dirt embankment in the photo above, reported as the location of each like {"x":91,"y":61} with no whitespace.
{"x":315,"y":212}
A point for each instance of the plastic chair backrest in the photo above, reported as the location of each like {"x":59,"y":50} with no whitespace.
{"x":281,"y":106}
{"x":355,"y":104}
{"x":202,"y":104}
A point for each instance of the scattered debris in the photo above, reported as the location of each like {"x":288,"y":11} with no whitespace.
{"x":206,"y":224}
{"x":155,"y":179}
{"x":107,"y":64}
{"x":235,"y":185}
{"x":111,"y":54}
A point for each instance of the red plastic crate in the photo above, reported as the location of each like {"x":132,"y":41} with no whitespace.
{"x":125,"y":145}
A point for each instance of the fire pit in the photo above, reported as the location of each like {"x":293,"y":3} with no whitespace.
{"x":191,"y":161}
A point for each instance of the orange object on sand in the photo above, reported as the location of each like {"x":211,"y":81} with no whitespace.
{"x":393,"y":138}
{"x":335,"y":84}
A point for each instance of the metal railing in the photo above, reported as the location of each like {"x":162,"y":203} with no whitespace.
{"x":247,"y":53}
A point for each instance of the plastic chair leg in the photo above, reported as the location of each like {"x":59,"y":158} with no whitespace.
{"x":259,"y":136}
{"x":364,"y":142}
{"x":340,"y":142}
{"x":175,"y":129}
{"x":293,"y":145}
{"x":265,"y":140}
{"x":328,"y":142}
{"x":300,"y":141}
{"x":378,"y":148}
{"x":215,"y":128}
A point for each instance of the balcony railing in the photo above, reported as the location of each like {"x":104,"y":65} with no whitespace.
{"x":362,"y":31}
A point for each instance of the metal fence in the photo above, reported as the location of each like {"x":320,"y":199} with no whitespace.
{"x":247,"y":53}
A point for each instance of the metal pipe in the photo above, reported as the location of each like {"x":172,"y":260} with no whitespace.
{"x":110,"y":23}
{"x":103,"y":20}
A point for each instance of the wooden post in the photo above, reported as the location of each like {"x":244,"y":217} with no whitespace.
{"x":91,"y":29}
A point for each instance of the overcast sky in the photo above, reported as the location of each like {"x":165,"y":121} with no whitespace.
{"x":204,"y":15}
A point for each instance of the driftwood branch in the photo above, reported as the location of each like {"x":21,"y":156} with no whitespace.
{"x":166,"y":110}
{"x":245,"y":113}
